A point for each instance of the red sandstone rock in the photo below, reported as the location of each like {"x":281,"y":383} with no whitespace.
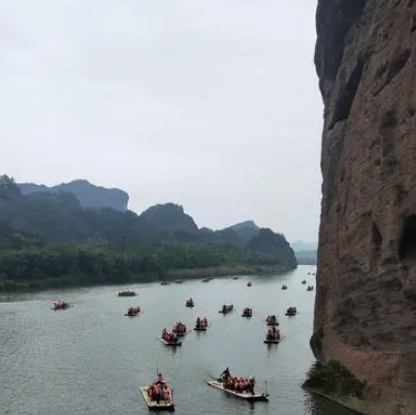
{"x":365,"y":313}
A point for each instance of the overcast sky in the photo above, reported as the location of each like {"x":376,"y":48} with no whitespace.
{"x":211,"y":104}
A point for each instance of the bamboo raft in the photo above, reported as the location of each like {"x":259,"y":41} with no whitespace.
{"x":200,"y":328}
{"x":182,"y":334}
{"x":282,"y":337}
{"x":178,"y":343}
{"x":228,"y":310}
{"x":243,"y":395}
{"x":163,"y":405}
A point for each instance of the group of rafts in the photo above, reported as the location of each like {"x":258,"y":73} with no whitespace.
{"x":159,"y":395}
{"x":273,"y":335}
{"x":173,"y":338}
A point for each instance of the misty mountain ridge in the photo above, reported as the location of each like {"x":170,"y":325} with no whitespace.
{"x":88,"y":194}
{"x":300,"y":246}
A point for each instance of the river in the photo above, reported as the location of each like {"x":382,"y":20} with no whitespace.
{"x":91,"y":359}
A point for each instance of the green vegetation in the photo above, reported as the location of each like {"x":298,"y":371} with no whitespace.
{"x":52,"y":265}
{"x":333,"y":379}
{"x":50,"y":240}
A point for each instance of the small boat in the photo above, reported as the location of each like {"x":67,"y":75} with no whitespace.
{"x":235,"y":278}
{"x":165,"y":403}
{"x":284,"y":287}
{"x":126,"y":293}
{"x":226,"y":308}
{"x":249,"y":284}
{"x":207,"y":279}
{"x":273,"y":341}
{"x":189,"y":302}
{"x":164,"y":283}
{"x":201,"y":324}
{"x":170,"y":339}
{"x":170,"y":343}
{"x":180,"y":329}
{"x":273,"y":336}
{"x":133,"y":312}
{"x":178,"y":281}
{"x":248,"y":396}
{"x":272,"y":320}
{"x":291,"y":311}
{"x":310,"y":288}
{"x":247,"y":312}
{"x":304,"y":282}
{"x":60,"y":305}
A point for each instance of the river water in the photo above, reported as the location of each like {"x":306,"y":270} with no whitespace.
{"x":91,"y":359}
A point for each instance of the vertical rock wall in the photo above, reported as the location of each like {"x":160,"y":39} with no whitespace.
{"x":365,"y":313}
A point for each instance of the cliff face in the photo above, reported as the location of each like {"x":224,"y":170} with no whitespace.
{"x":89,"y":195}
{"x":365,"y":314}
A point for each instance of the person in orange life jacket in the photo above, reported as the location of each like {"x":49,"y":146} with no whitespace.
{"x":159,"y":378}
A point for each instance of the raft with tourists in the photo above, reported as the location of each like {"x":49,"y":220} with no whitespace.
{"x":158,"y":396}
{"x":201,"y":324}
{"x":273,"y":336}
{"x":291,"y":312}
{"x":190,"y":302}
{"x":310,"y":288}
{"x":133,"y":311}
{"x":60,"y":305}
{"x":238,"y":387}
{"x":272,"y":320}
{"x":247,"y":312}
{"x":170,"y":339}
{"x":179,"y":329}
{"x":226,"y":308}
{"x":127,"y":293}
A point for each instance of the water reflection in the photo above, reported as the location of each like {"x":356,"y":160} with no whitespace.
{"x":318,"y":405}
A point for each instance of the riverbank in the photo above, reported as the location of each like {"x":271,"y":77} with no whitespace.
{"x":72,"y":281}
{"x":226,"y":270}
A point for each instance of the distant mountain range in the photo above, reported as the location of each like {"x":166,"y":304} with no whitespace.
{"x":89,"y":195}
{"x":165,"y":218}
{"x":306,"y":252}
{"x":300,"y":246}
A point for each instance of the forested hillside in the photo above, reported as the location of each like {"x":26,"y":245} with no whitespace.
{"x":50,"y":238}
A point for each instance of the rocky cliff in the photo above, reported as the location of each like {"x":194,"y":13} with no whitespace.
{"x":365,"y":314}
{"x":88,"y":194}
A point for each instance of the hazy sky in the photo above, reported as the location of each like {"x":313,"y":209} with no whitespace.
{"x":210,"y":104}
